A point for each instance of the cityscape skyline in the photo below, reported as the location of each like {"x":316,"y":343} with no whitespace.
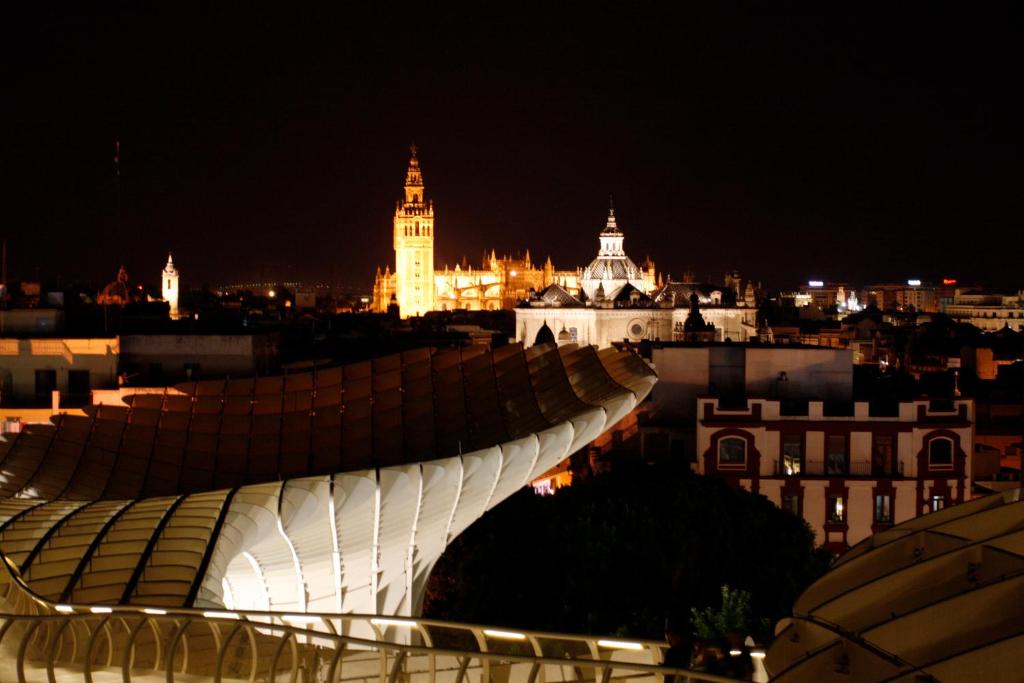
{"x":433,"y":343}
{"x":256,"y":144}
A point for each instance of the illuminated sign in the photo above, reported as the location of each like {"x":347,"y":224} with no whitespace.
{"x":948,"y":281}
{"x":815,"y":283}
{"x":914,"y":283}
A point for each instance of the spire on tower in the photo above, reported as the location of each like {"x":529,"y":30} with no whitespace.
{"x":414,"y":198}
{"x":413,"y":176}
{"x":611,"y":226}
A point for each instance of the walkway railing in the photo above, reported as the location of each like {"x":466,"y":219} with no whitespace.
{"x":41,"y":641}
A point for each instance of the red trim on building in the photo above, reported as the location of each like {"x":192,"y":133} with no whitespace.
{"x":752,"y":467}
{"x":791,"y":486}
{"x":884,"y":487}
{"x":941,"y":475}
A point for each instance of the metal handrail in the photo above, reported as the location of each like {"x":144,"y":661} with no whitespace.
{"x":80,"y":640}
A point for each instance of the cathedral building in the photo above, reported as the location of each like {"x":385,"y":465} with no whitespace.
{"x":416,"y":287}
{"x":619,"y":301}
{"x":500,"y":283}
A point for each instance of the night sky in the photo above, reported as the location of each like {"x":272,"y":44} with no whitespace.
{"x":855,"y":147}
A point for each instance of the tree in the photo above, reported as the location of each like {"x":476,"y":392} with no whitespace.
{"x":621,"y":552}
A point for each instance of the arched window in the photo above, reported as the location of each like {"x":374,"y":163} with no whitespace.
{"x":940,"y":453}
{"x":732,"y":452}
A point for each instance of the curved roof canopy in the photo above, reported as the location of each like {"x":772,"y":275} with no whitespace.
{"x":334,"y":490}
{"x":939,"y":597}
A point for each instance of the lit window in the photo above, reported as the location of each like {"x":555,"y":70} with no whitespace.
{"x":836,"y":512}
{"x":940,"y":453}
{"x":732,"y":452}
{"x":792,"y":454}
{"x":836,"y":460}
{"x":938,"y":502}
{"x":883,"y":509}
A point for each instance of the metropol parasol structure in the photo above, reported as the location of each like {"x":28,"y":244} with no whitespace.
{"x":283,"y":528}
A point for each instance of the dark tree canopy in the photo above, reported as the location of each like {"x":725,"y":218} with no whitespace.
{"x":620,"y":553}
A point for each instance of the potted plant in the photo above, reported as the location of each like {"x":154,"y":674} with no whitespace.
{"x":729,"y":621}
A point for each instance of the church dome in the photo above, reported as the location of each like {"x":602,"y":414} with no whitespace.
{"x":604,"y":268}
{"x":611,"y":266}
{"x":116,"y":293}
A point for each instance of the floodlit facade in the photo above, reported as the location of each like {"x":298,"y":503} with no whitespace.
{"x":936,"y":598}
{"x":987,"y":312}
{"x":417,"y":288}
{"x":35,"y":372}
{"x":333,"y":491}
{"x":848,"y":473}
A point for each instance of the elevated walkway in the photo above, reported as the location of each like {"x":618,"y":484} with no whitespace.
{"x":46,"y":642}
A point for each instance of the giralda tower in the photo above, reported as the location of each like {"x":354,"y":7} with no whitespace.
{"x":414,"y":246}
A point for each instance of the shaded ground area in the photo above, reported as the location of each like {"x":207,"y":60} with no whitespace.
{"x":621,"y":552}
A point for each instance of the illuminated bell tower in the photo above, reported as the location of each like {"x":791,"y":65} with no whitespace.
{"x":169,"y":285}
{"x":414,"y":246}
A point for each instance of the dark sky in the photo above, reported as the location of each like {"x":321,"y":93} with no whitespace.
{"x":862,"y":146}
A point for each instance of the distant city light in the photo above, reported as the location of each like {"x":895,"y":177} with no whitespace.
{"x":513,"y":273}
{"x":948,"y":281}
{"x":914,"y":283}
{"x":271,"y":294}
{"x":815,"y":283}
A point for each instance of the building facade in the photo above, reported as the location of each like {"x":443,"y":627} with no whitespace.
{"x":160,"y":359}
{"x":848,"y":475}
{"x":499,"y":283}
{"x":987,"y":312}
{"x":629,"y":314}
{"x":604,"y":326}
{"x":33,"y":370}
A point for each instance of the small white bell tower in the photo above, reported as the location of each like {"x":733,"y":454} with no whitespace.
{"x":169,"y":283}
